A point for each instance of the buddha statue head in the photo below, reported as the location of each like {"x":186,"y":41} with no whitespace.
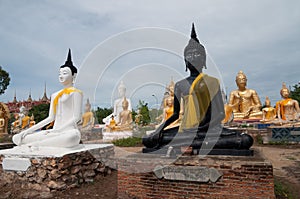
{"x":284,"y":92}
{"x":87,"y":106}
{"x":267,"y":102}
{"x":241,"y":80}
{"x":68,"y":71}
{"x":171,"y":88}
{"x":194,"y":54}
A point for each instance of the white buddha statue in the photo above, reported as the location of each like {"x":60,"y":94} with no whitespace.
{"x":65,"y":110}
{"x":118,"y":104}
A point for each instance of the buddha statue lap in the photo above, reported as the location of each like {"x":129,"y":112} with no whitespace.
{"x":244,"y":102}
{"x":203,"y":110}
{"x":65,"y":110}
{"x":287,"y":109}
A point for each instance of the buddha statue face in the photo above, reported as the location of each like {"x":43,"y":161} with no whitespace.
{"x":285,"y":93}
{"x":170,"y":101}
{"x":195,"y":58}
{"x":241,"y":80}
{"x":65,"y":76}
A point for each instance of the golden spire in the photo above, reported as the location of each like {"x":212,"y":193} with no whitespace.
{"x":45,"y":98}
{"x":15,"y":97}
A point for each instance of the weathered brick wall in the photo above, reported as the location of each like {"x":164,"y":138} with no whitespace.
{"x":58,"y":173}
{"x":241,"y":178}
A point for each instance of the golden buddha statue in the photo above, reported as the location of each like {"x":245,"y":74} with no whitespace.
{"x":22,"y":120}
{"x":4,"y":117}
{"x":287,"y":109}
{"x":244,"y":102}
{"x":2,"y":122}
{"x":125,"y":117}
{"x":87,"y":119}
{"x":269,"y":113}
{"x":32,"y":122}
{"x":112,"y":124}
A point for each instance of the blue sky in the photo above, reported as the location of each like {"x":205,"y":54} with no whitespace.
{"x":259,"y":37}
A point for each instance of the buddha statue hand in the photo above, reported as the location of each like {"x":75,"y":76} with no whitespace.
{"x":18,"y":138}
{"x":248,"y":113}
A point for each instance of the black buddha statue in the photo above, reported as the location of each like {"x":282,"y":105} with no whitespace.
{"x":203,"y":107}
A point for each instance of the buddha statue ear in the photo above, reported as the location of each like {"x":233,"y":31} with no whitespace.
{"x":74,"y":77}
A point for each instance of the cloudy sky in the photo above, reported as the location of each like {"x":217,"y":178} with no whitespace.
{"x":141,"y":43}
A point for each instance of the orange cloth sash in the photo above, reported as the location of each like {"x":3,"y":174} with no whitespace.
{"x":66,"y":91}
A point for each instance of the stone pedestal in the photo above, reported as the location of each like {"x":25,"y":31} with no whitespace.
{"x":153,"y":176}
{"x":95,"y":134}
{"x":115,"y":135}
{"x":48,"y":169}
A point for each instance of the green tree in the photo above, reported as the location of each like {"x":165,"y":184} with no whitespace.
{"x":102,"y":113}
{"x":4,"y":80}
{"x":144,"y":111}
{"x":295,"y":92}
{"x":39,"y":112}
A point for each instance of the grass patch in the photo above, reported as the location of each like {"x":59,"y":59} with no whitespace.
{"x":281,"y":190}
{"x":128,"y":142}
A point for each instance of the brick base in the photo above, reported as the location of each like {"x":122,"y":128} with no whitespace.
{"x":47,"y":174}
{"x":243,"y":177}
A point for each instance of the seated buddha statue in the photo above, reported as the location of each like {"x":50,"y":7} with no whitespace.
{"x":244,"y":102}
{"x":65,"y":110}
{"x":19,"y":117}
{"x":269,"y":112}
{"x":87,"y":119}
{"x":287,"y":109}
{"x":118,"y":104}
{"x":4,"y":118}
{"x":125,"y":117}
{"x":2,"y":122}
{"x":112,"y":124}
{"x":203,"y":110}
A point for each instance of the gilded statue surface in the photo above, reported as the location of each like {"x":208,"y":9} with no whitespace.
{"x":269,"y":112}
{"x":245,"y":103}
{"x":4,"y":117}
{"x":125,"y":117}
{"x":87,"y":119}
{"x":287,"y":109}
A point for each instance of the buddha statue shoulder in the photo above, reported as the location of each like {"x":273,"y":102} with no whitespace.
{"x":65,"y":110}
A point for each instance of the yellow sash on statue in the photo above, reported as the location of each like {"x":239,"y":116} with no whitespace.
{"x":66,"y":91}
{"x":198,"y":101}
{"x":282,"y":104}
